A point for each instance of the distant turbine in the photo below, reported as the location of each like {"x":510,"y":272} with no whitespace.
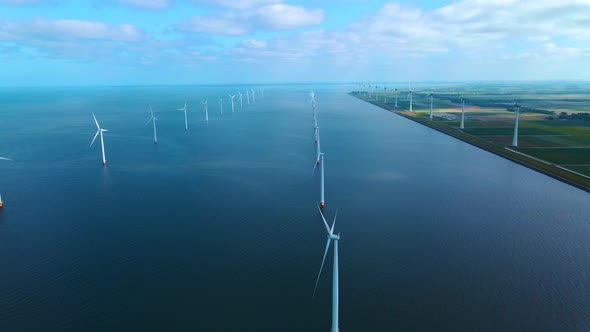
{"x":221,"y":105}
{"x":232,"y":101}
{"x":462,"y":112}
{"x":154,"y":119}
{"x":253,"y":96}
{"x":100,"y":131}
{"x":516,"y":115}
{"x":185,"y":118}
{"x":241,"y":101}
{"x":248,"y":97}
{"x":261,"y":92}
{"x":1,"y":202}
{"x":410,"y":95}
{"x":395,"y":97}
{"x":335,"y":281}
{"x":206,"y":111}
{"x":431,"y":100}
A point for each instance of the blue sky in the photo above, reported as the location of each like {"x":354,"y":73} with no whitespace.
{"x":77,"y":42}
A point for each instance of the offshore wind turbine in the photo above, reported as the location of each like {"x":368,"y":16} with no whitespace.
{"x":221,"y":105}
{"x":395,"y":97}
{"x":410,"y":95}
{"x":320,"y":162}
{"x":1,"y":202}
{"x":100,"y":131}
{"x":248,"y":97}
{"x":232,"y":101}
{"x":206,"y":111}
{"x":241,"y":101}
{"x":185,"y":118}
{"x":335,"y":278}
{"x":253,"y":96}
{"x":516,"y":115}
{"x":462,"y":112}
{"x":431,"y":100}
{"x":261,"y":92}
{"x":154,"y":119}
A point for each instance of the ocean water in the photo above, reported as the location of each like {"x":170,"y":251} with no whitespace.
{"x":217,"y":229}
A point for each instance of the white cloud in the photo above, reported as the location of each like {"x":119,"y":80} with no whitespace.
{"x":23,"y":2}
{"x":146,"y":4}
{"x":237,"y":4}
{"x":269,"y":17}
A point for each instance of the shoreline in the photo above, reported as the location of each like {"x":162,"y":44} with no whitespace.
{"x":555,"y":171}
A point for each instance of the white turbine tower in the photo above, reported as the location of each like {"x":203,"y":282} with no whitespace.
{"x":185,"y":118}
{"x":241,"y":100}
{"x":410,"y":95}
{"x":253,"y":96}
{"x":100,"y":131}
{"x":154,"y":119}
{"x":232,"y":102}
{"x":206,"y":111}
{"x":431,"y":100}
{"x":261,"y":92}
{"x":395,"y":97}
{"x":516,"y":115}
{"x":221,"y":105}
{"x":248,"y":97}
{"x":335,"y":279}
{"x":321,"y":163}
{"x":1,"y":202}
{"x":462,"y":113}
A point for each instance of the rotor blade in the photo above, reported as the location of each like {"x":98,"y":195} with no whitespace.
{"x":148,"y":121}
{"x":324,"y":219}
{"x":97,"y":126}
{"x":332,"y":229}
{"x":6,"y":159}
{"x":104,"y":130}
{"x":98,"y":132}
{"x":321,"y":267}
{"x":315,"y":164}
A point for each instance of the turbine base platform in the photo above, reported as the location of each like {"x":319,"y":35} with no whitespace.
{"x":317,"y":161}
{"x":104,"y":163}
{"x":1,"y":204}
{"x":322,"y":204}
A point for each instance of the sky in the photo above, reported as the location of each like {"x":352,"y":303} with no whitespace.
{"x":120,"y":42}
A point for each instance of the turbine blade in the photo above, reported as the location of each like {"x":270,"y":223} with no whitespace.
{"x":324,"y":219}
{"x":6,"y":159}
{"x":150,"y":120}
{"x":97,"y":126}
{"x":315,"y":165}
{"x":321,"y":267}
{"x":98,"y":132}
{"x":104,"y":130}
{"x":334,"y":223}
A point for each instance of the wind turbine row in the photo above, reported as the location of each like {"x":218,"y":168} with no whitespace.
{"x":153,"y":119}
{"x":332,"y":237}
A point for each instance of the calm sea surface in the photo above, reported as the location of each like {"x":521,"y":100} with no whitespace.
{"x":217,"y":229}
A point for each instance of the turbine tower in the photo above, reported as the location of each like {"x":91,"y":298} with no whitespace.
{"x":206,"y":111}
{"x":185,"y":118}
{"x":516,"y":115}
{"x":1,"y":202}
{"x":462,"y":113}
{"x":248,"y":97}
{"x":241,"y":101}
{"x":253,"y":96}
{"x":410,"y":95}
{"x":154,"y":119}
{"x":100,"y":131}
{"x":395,"y":97}
{"x":431,"y":100}
{"x":335,"y":279}
{"x":221,"y":105}
{"x":232,"y":101}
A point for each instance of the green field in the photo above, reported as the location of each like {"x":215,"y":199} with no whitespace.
{"x":547,"y":128}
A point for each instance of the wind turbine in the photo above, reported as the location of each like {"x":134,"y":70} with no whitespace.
{"x":100,"y":131}
{"x":261,"y":92}
{"x":517,"y":115}
{"x":185,"y":118}
{"x":221,"y":105}
{"x":206,"y":111}
{"x":395,"y":97}
{"x":154,"y":119}
{"x":248,"y":97}
{"x":1,"y":202}
{"x":431,"y":100}
{"x":410,"y":95}
{"x":321,"y":163}
{"x":253,"y":96}
{"x":232,"y":101}
{"x":462,"y":112}
{"x":335,"y":279}
{"x":241,"y":101}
